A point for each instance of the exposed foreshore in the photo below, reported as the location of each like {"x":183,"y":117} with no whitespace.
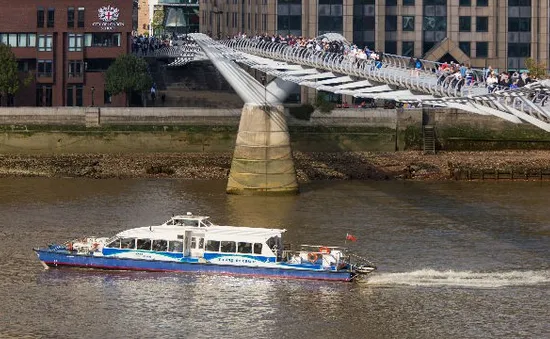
{"x":310,"y":166}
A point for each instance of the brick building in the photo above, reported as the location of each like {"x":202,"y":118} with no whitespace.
{"x":68,"y":45}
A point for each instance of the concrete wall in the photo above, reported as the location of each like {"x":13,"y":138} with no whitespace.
{"x":172,"y":129}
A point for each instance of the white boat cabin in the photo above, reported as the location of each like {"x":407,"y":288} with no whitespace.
{"x":197,"y":237}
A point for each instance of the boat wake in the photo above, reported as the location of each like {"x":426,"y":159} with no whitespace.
{"x":469,"y":279}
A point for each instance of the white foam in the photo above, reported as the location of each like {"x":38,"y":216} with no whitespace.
{"x":429,"y":277}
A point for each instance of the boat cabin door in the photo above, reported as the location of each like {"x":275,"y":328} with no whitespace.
{"x":194,"y":244}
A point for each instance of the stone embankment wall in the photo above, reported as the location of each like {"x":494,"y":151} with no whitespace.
{"x":36,"y":130}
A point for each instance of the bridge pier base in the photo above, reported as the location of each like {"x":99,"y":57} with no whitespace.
{"x":262,"y":162}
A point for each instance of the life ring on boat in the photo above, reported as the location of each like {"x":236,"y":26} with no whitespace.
{"x":95,"y":246}
{"x":312,"y":257}
{"x":324,"y":249}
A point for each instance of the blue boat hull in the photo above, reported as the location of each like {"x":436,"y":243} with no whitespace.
{"x":66,"y":259}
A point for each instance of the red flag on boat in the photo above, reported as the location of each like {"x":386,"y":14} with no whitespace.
{"x":350,"y":237}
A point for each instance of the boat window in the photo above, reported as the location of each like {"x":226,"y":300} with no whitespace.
{"x":258,"y":248}
{"x":213,"y":246}
{"x":144,"y":244}
{"x":205,"y":223}
{"x":160,"y":245}
{"x":114,"y":244}
{"x":228,"y":247}
{"x":201,"y":243}
{"x":175,"y":246}
{"x":180,"y":236}
{"x":129,"y":243}
{"x":170,"y":222}
{"x":244,"y":247}
{"x":194,"y":223}
{"x":193,"y":242}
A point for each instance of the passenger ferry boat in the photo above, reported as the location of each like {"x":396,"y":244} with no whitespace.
{"x":191,"y":243}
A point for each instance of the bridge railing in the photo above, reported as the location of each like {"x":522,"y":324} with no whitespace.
{"x":392,"y":70}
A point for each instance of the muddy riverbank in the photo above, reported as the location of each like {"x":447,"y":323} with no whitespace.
{"x":411,"y":165}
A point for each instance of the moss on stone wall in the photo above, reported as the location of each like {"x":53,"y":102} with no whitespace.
{"x":468,"y":137}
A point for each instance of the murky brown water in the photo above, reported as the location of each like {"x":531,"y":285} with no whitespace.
{"x":456,"y":260}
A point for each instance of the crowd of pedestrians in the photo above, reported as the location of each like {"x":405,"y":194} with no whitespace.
{"x":144,"y":45}
{"x":355,"y":54}
{"x":506,"y":80}
{"x":449,"y":74}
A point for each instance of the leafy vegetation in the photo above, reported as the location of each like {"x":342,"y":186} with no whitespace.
{"x":127,"y":74}
{"x":323,"y":105}
{"x":302,"y":112}
{"x":536,"y":69}
{"x":158,"y":22}
{"x":10,"y":82}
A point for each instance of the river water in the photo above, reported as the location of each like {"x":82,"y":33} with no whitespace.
{"x":456,"y":260}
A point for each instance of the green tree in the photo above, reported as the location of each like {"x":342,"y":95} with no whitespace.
{"x":127,"y":74}
{"x":536,"y":70}
{"x":158,"y":21}
{"x":9,"y":75}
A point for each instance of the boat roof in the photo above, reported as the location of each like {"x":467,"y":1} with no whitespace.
{"x":216,"y":232}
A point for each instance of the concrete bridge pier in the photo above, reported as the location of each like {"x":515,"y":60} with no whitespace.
{"x":262,"y":162}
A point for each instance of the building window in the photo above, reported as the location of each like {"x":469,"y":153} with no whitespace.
{"x":408,"y":48}
{"x":70,"y":17}
{"x":525,"y":3}
{"x":465,"y":3}
{"x":465,"y":24}
{"x":44,"y":68}
{"x":40,"y":17}
{"x":390,"y":47}
{"x":289,"y":17}
{"x":519,"y":24}
{"x":519,"y":50}
{"x":434,"y":23}
{"x":391,"y":23}
{"x":107,"y":98}
{"x":465,"y":46}
{"x":18,"y":39}
{"x":408,"y":23}
{"x":51,"y":17}
{"x":482,"y":3}
{"x":330,"y":14}
{"x":408,"y":2}
{"x":75,"y":42}
{"x":482,"y":49}
{"x":482,"y":24}
{"x":44,"y":95}
{"x":76,"y":68}
{"x":363,"y":23}
{"x":102,"y":39}
{"x":45,"y":43}
{"x":391,"y":2}
{"x":79,"y":100}
{"x":70,"y":99}
{"x":75,"y":92}
{"x":80,"y":17}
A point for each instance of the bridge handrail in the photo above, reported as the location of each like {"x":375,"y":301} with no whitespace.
{"x":339,"y":63}
{"x":469,"y":93}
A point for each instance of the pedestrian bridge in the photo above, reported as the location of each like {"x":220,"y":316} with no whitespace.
{"x":262,"y":161}
{"x":339,"y":74}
